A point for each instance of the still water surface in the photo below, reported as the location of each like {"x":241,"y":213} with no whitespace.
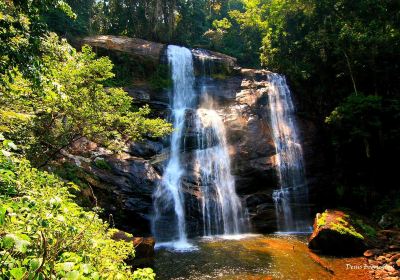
{"x":253,"y":257}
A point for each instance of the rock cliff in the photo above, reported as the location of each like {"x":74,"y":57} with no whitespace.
{"x":124,"y":185}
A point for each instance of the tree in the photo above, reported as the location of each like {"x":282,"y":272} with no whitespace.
{"x":63,"y":99}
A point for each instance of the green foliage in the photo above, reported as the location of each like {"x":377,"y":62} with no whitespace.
{"x":21,"y":30}
{"x":102,"y":164}
{"x":125,"y":70}
{"x":161,"y":78}
{"x":321,"y":220}
{"x":72,"y":103}
{"x":343,"y":227}
{"x":69,"y":172}
{"x":357,"y":118}
{"x":367,"y":229}
{"x":44,"y":234}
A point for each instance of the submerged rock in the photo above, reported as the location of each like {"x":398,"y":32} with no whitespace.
{"x":334,"y":233}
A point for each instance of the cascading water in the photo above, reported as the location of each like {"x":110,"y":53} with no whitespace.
{"x":221,"y":207}
{"x":169,"y":221}
{"x":222,"y":212}
{"x":292,"y":198}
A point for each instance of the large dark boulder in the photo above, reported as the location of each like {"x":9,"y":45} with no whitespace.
{"x":335,"y":233}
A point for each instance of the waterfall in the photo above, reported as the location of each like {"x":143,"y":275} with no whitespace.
{"x":220,"y":206}
{"x":292,"y":198}
{"x":169,"y":197}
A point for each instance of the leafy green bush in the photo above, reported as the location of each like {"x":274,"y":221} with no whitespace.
{"x":102,"y":164}
{"x":44,"y":234}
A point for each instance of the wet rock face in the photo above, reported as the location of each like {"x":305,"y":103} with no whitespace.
{"x":125,"y":188}
{"x":122,"y":185}
{"x":252,"y":149}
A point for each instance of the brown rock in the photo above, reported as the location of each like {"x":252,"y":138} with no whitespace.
{"x":147,"y":50}
{"x":389,"y":268}
{"x":394,"y":247}
{"x":380,"y":274}
{"x":144,"y":248}
{"x":372,"y":252}
{"x":372,"y":262}
{"x":133,"y":46}
{"x":394,"y":273}
{"x":382,"y":259}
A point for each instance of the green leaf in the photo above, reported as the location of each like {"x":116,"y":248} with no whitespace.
{"x":18,"y":273}
{"x":65,"y":266}
{"x":34,"y":264}
{"x":3,"y":212}
{"x":21,"y":245}
{"x":72,"y":275}
{"x":86,"y":268}
{"x":95,"y":276}
{"x":12,"y":146}
{"x":8,"y":241}
{"x":6,"y":153}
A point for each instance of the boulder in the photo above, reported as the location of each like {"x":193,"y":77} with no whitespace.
{"x":372,"y":252}
{"x":144,"y":252}
{"x":334,"y":233}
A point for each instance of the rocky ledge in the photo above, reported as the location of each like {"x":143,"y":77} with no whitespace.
{"x":146,"y":50}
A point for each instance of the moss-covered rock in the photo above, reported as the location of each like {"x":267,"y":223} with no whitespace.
{"x":336,"y":233}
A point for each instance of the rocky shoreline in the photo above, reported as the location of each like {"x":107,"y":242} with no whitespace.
{"x":384,"y":261}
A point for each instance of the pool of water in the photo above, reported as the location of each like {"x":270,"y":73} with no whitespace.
{"x":253,"y":257}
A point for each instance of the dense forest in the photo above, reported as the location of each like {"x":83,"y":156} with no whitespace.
{"x":341,"y":59}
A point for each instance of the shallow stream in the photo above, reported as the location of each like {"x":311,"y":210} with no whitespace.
{"x":254,"y":257}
